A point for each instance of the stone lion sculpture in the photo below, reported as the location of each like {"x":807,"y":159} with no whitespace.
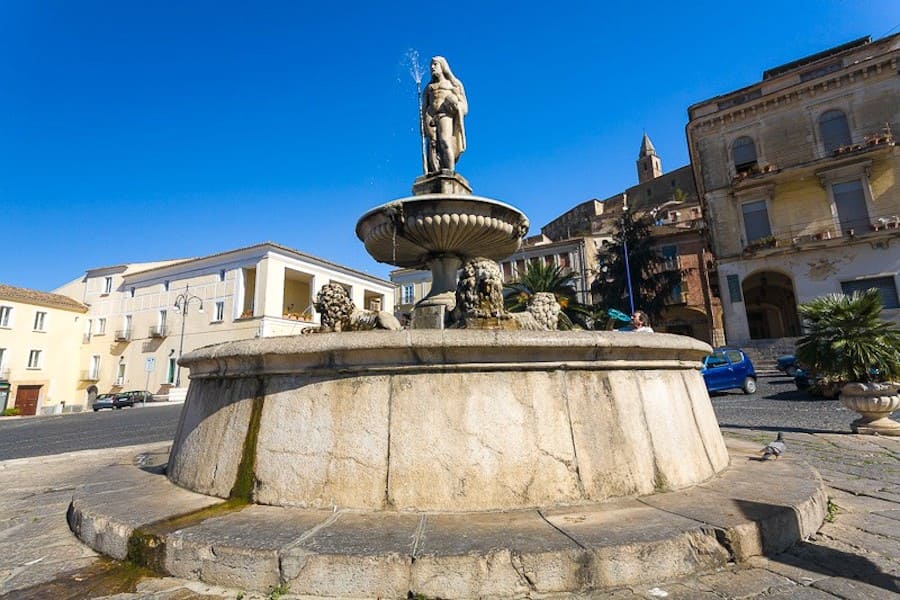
{"x":479,"y":292}
{"x":338,"y":313}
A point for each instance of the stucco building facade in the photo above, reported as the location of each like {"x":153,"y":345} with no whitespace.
{"x":797,"y":176}
{"x":39,"y":336}
{"x":141,"y":317}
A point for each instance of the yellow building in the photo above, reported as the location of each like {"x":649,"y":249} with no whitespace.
{"x":797,"y":175}
{"x":39,"y":344}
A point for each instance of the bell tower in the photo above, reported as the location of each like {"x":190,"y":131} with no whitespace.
{"x":649,"y":165}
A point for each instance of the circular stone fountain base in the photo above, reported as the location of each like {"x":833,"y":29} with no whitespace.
{"x":454,"y":420}
{"x":453,"y":464}
{"x":750,"y":508}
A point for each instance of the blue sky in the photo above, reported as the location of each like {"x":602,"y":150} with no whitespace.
{"x":140,"y":131}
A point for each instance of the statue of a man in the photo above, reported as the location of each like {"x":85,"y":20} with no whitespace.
{"x":444,"y":105}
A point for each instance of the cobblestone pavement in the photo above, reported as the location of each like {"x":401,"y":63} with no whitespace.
{"x":855,"y":555}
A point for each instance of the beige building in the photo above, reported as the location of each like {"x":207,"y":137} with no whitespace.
{"x":142,"y":317}
{"x":797,"y":175}
{"x":39,"y":343}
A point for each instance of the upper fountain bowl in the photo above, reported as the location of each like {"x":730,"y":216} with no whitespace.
{"x":410,"y":232}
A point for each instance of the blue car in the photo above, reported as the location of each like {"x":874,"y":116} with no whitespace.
{"x":787,"y":364}
{"x":728,"y":369}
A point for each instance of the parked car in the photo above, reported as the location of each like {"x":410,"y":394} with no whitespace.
{"x":138,"y":395}
{"x":112,"y":401}
{"x":787,"y":364}
{"x":727,"y":369}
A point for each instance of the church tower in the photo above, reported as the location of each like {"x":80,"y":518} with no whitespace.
{"x":649,"y":165}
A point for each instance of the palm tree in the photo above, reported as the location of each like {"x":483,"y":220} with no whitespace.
{"x":542,"y":277}
{"x":847,"y":340}
{"x":652,"y":281}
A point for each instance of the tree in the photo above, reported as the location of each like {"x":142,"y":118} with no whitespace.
{"x":653,"y":278}
{"x":846,"y":339}
{"x":542,"y":277}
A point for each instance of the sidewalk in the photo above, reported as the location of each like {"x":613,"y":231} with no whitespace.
{"x":856,"y":555}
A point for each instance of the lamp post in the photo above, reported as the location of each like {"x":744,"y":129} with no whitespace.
{"x":625,"y":252}
{"x":182,"y":301}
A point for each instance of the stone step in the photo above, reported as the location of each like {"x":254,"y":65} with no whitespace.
{"x":753,"y":507}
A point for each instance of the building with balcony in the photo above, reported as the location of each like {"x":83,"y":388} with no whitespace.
{"x":797,"y":177}
{"x":39,"y":335}
{"x":141,"y":317}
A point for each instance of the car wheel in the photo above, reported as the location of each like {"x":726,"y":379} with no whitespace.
{"x":791,"y":371}
{"x":749,"y":386}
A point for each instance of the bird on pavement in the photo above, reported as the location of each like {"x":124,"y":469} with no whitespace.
{"x":774,"y":449}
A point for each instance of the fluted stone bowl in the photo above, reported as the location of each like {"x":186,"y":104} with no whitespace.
{"x":452,"y":420}
{"x":410,"y":232}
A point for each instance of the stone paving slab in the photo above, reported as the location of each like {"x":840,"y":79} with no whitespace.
{"x":754,"y":507}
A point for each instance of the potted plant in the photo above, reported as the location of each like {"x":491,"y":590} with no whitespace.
{"x":850,"y":347}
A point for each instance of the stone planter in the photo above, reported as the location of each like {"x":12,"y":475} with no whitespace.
{"x":875,"y":402}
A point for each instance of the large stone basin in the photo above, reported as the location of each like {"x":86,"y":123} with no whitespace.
{"x":452,"y":420}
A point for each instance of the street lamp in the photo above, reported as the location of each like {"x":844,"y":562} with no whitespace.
{"x":181,"y":304}
{"x":625,"y":252}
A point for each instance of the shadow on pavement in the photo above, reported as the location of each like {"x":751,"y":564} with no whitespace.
{"x":782,"y":428}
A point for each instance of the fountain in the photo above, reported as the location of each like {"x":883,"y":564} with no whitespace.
{"x":458,"y":460}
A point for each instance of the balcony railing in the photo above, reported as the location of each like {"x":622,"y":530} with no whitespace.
{"x":90,"y":375}
{"x":158,"y":331}
{"x":123,"y":335}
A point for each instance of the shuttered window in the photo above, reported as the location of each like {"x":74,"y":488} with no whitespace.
{"x":885,"y":286}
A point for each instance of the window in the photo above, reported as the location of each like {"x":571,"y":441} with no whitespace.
{"x":756,"y":220}
{"x":885,"y":285}
{"x":34,"y":359}
{"x":170,"y":372}
{"x":2,"y":357}
{"x":166,"y":285}
{"x":220,"y":310}
{"x":743,"y":152}
{"x":107,"y":285}
{"x":564,"y":261}
{"x":126,"y":325}
{"x":40,"y":320}
{"x":834,"y":130}
{"x":161,"y":320}
{"x":5,"y":314}
{"x":101,"y":326}
{"x":132,"y":292}
{"x":120,"y":374}
{"x":408,"y":294}
{"x":850,"y":201}
{"x":222,"y":275}
{"x":94,"y":371}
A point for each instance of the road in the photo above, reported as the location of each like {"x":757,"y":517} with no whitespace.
{"x":41,"y":436}
{"x":776,"y":405}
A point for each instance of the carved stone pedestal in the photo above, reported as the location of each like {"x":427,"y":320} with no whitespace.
{"x":875,"y":402}
{"x":444,"y":182}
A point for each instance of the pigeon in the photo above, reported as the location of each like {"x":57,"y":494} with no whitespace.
{"x":774,"y":449}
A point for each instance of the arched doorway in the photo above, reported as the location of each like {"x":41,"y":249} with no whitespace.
{"x":771,"y":306}
{"x":91,"y":394}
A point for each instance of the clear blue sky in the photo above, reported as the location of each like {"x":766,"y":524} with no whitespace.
{"x":139,"y":131}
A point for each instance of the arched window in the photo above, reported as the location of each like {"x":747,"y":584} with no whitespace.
{"x":744,"y":154}
{"x":834,"y":129}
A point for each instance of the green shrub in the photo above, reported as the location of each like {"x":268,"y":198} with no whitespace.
{"x":10,"y":412}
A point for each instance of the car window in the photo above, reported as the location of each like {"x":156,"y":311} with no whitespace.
{"x":734,"y":356}
{"x":716,"y":359}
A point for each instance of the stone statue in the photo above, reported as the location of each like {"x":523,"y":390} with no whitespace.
{"x":479,"y":292}
{"x":338,"y":313}
{"x":444,"y":105}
